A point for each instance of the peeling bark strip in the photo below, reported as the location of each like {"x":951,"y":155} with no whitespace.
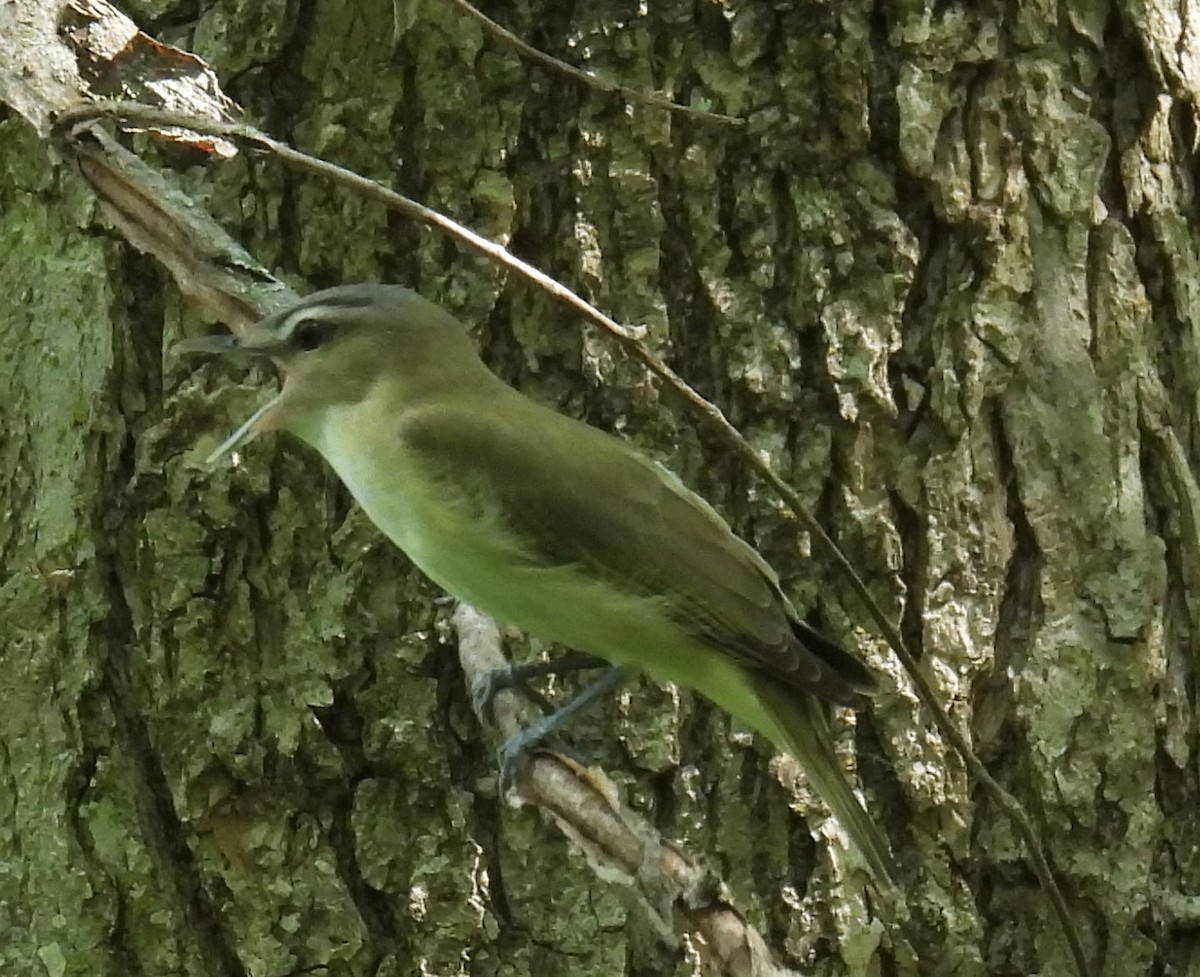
{"x":207,"y":265}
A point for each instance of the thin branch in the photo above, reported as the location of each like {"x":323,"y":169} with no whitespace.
{"x":148,"y":115}
{"x":589,"y":78}
{"x":630,"y":339}
{"x":583,"y":804}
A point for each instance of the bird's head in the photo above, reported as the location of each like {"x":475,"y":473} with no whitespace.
{"x":335,"y":346}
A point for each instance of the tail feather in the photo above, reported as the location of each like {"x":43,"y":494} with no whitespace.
{"x":800,"y":728}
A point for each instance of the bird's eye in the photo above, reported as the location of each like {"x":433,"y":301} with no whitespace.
{"x":309,"y":334}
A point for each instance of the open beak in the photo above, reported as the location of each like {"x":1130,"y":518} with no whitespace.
{"x":230,"y":346}
{"x":244,"y":346}
{"x":212,"y":345}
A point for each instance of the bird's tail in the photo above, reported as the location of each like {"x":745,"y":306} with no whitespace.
{"x":800,"y":728}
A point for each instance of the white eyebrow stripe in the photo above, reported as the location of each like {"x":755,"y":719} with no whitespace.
{"x":326,"y":311}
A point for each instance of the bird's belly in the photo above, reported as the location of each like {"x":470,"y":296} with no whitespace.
{"x":555,"y":603}
{"x":473,"y":558}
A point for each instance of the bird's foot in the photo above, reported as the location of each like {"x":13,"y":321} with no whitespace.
{"x":516,"y":749}
{"x":516,"y":677}
{"x":515,"y":752}
{"x":491,"y":683}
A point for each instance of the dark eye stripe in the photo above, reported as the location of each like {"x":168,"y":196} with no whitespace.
{"x":323,"y":308}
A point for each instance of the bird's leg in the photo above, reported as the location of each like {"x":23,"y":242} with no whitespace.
{"x":517,"y":677}
{"x":518,"y":746}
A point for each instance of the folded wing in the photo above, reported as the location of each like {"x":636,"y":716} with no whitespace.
{"x":572,"y":495}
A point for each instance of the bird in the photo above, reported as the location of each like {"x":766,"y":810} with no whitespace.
{"x":549,"y":524}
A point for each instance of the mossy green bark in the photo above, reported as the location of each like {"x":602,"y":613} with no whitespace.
{"x":943,"y":277}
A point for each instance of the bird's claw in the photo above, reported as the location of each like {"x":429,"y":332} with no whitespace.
{"x":486,"y":687}
{"x":515,"y":752}
{"x":516,"y":749}
{"x":494,"y":681}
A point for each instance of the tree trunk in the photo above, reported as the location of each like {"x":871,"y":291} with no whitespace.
{"x":943,"y":276}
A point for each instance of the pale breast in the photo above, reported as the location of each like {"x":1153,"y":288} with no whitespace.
{"x":380,"y":476}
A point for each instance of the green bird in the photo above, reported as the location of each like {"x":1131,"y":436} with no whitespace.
{"x":548,"y":524}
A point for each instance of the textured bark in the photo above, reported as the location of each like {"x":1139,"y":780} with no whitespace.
{"x":944,"y":277}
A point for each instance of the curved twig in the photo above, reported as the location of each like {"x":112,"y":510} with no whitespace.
{"x":587,"y":77}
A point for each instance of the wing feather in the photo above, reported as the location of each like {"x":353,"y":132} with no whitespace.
{"x":572,"y":495}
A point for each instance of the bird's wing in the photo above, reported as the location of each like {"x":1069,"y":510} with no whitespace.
{"x":572,"y":495}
